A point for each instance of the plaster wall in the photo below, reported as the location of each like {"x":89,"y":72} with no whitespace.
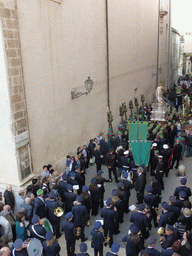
{"x":63,"y":44}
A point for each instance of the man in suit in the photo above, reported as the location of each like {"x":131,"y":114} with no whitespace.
{"x":103,"y":148}
{"x":160,"y":171}
{"x":174,"y":210}
{"x":151,"y":241}
{"x":166,"y":153}
{"x":114,"y":250}
{"x":140,"y":185}
{"x":68,"y":227}
{"x":54,"y":220}
{"x":80,"y":216}
{"x":177,"y":149}
{"x":36,"y":228}
{"x":40,"y":206}
{"x":9,"y":197}
{"x":109,"y":214}
{"x":98,"y":157}
{"x":184,"y":188}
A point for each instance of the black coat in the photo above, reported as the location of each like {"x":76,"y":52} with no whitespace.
{"x":140,"y":183}
{"x":9,"y":199}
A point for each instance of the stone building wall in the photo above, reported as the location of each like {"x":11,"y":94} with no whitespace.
{"x":13,"y":59}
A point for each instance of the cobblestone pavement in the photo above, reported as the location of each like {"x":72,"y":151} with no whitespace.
{"x":170,"y":184}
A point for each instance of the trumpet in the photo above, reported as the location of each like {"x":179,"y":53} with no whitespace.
{"x":106,"y":238}
{"x":78,"y":231}
{"x":58,"y":211}
{"x":88,"y":223}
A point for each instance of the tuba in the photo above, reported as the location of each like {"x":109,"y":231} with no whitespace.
{"x":58,"y":211}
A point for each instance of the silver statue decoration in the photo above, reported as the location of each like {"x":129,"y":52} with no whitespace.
{"x":159,"y":107}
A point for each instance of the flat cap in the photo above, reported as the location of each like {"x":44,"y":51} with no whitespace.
{"x":39,"y":192}
{"x":18,"y":243}
{"x":165,"y":205}
{"x":99,"y":172}
{"x":114,"y":192}
{"x":149,"y":188}
{"x":68,"y":215}
{"x":134,"y":229}
{"x":151,"y":240}
{"x":85,"y":188}
{"x":49,"y":235}
{"x":80,"y":199}
{"x":109,"y":201}
{"x":172,"y":199}
{"x":97,"y":224}
{"x":115,"y":247}
{"x":141,"y":207}
{"x":83,"y":247}
{"x":35,"y":219}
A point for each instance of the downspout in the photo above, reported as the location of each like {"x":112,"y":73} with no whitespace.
{"x":169,"y":48}
{"x":107,"y":49}
{"x":157,"y":76}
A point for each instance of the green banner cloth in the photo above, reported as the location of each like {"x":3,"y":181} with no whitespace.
{"x":138,"y":131}
{"x":141,"y":152}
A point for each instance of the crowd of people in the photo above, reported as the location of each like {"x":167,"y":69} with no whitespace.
{"x":36,"y":212}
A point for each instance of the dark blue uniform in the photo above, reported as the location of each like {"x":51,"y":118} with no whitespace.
{"x":140,"y":221}
{"x":174,"y":214}
{"x":185,"y":189}
{"x":132,"y":249}
{"x":40,"y":208}
{"x":109,"y":215}
{"x":169,"y":240}
{"x":150,"y":252}
{"x":152,"y":201}
{"x":83,"y":254}
{"x":164,"y":219}
{"x":51,"y":250}
{"x":98,"y":240}
{"x":69,"y":198}
{"x":80,"y":218}
{"x":37,"y":231}
{"x":54,"y":220}
{"x":69,"y":229}
{"x":23,"y":252}
{"x":62,"y":188}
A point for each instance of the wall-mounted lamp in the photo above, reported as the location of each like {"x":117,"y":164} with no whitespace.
{"x":76,"y":92}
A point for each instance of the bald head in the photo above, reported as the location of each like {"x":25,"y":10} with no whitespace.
{"x":9,"y":188}
{"x":5,"y":251}
{"x":7,"y":207}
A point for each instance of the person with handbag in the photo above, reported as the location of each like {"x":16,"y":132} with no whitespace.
{"x":97,"y":239}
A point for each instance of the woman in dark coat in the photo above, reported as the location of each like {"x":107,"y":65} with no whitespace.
{"x":51,"y":246}
{"x":133,"y":241}
{"x":95,"y":196}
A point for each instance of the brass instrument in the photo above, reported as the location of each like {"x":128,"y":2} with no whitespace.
{"x":160,"y":231}
{"x":106,"y":238}
{"x":88,"y":223}
{"x":75,"y":203}
{"x":58,"y":211}
{"x":78,"y":231}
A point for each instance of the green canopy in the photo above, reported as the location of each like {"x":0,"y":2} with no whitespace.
{"x":138,"y":131}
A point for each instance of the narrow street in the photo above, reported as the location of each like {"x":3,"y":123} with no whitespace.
{"x":171,"y":183}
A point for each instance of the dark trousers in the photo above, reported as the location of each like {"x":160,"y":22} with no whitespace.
{"x":140,"y":197}
{"x":96,"y":251}
{"x":114,"y":173}
{"x":98,"y":166}
{"x":175,"y":158}
{"x":70,"y":247}
{"x":95,"y":207}
{"x":56,"y":227}
{"x":110,"y":235}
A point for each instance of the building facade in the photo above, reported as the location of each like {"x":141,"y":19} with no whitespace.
{"x":48,"y":48}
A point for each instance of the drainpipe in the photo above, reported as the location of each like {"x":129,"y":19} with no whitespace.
{"x":107,"y":49}
{"x":169,"y":46}
{"x":157,"y":76}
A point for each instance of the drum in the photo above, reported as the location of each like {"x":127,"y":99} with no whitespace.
{"x":33,"y":247}
{"x":47,"y":225}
